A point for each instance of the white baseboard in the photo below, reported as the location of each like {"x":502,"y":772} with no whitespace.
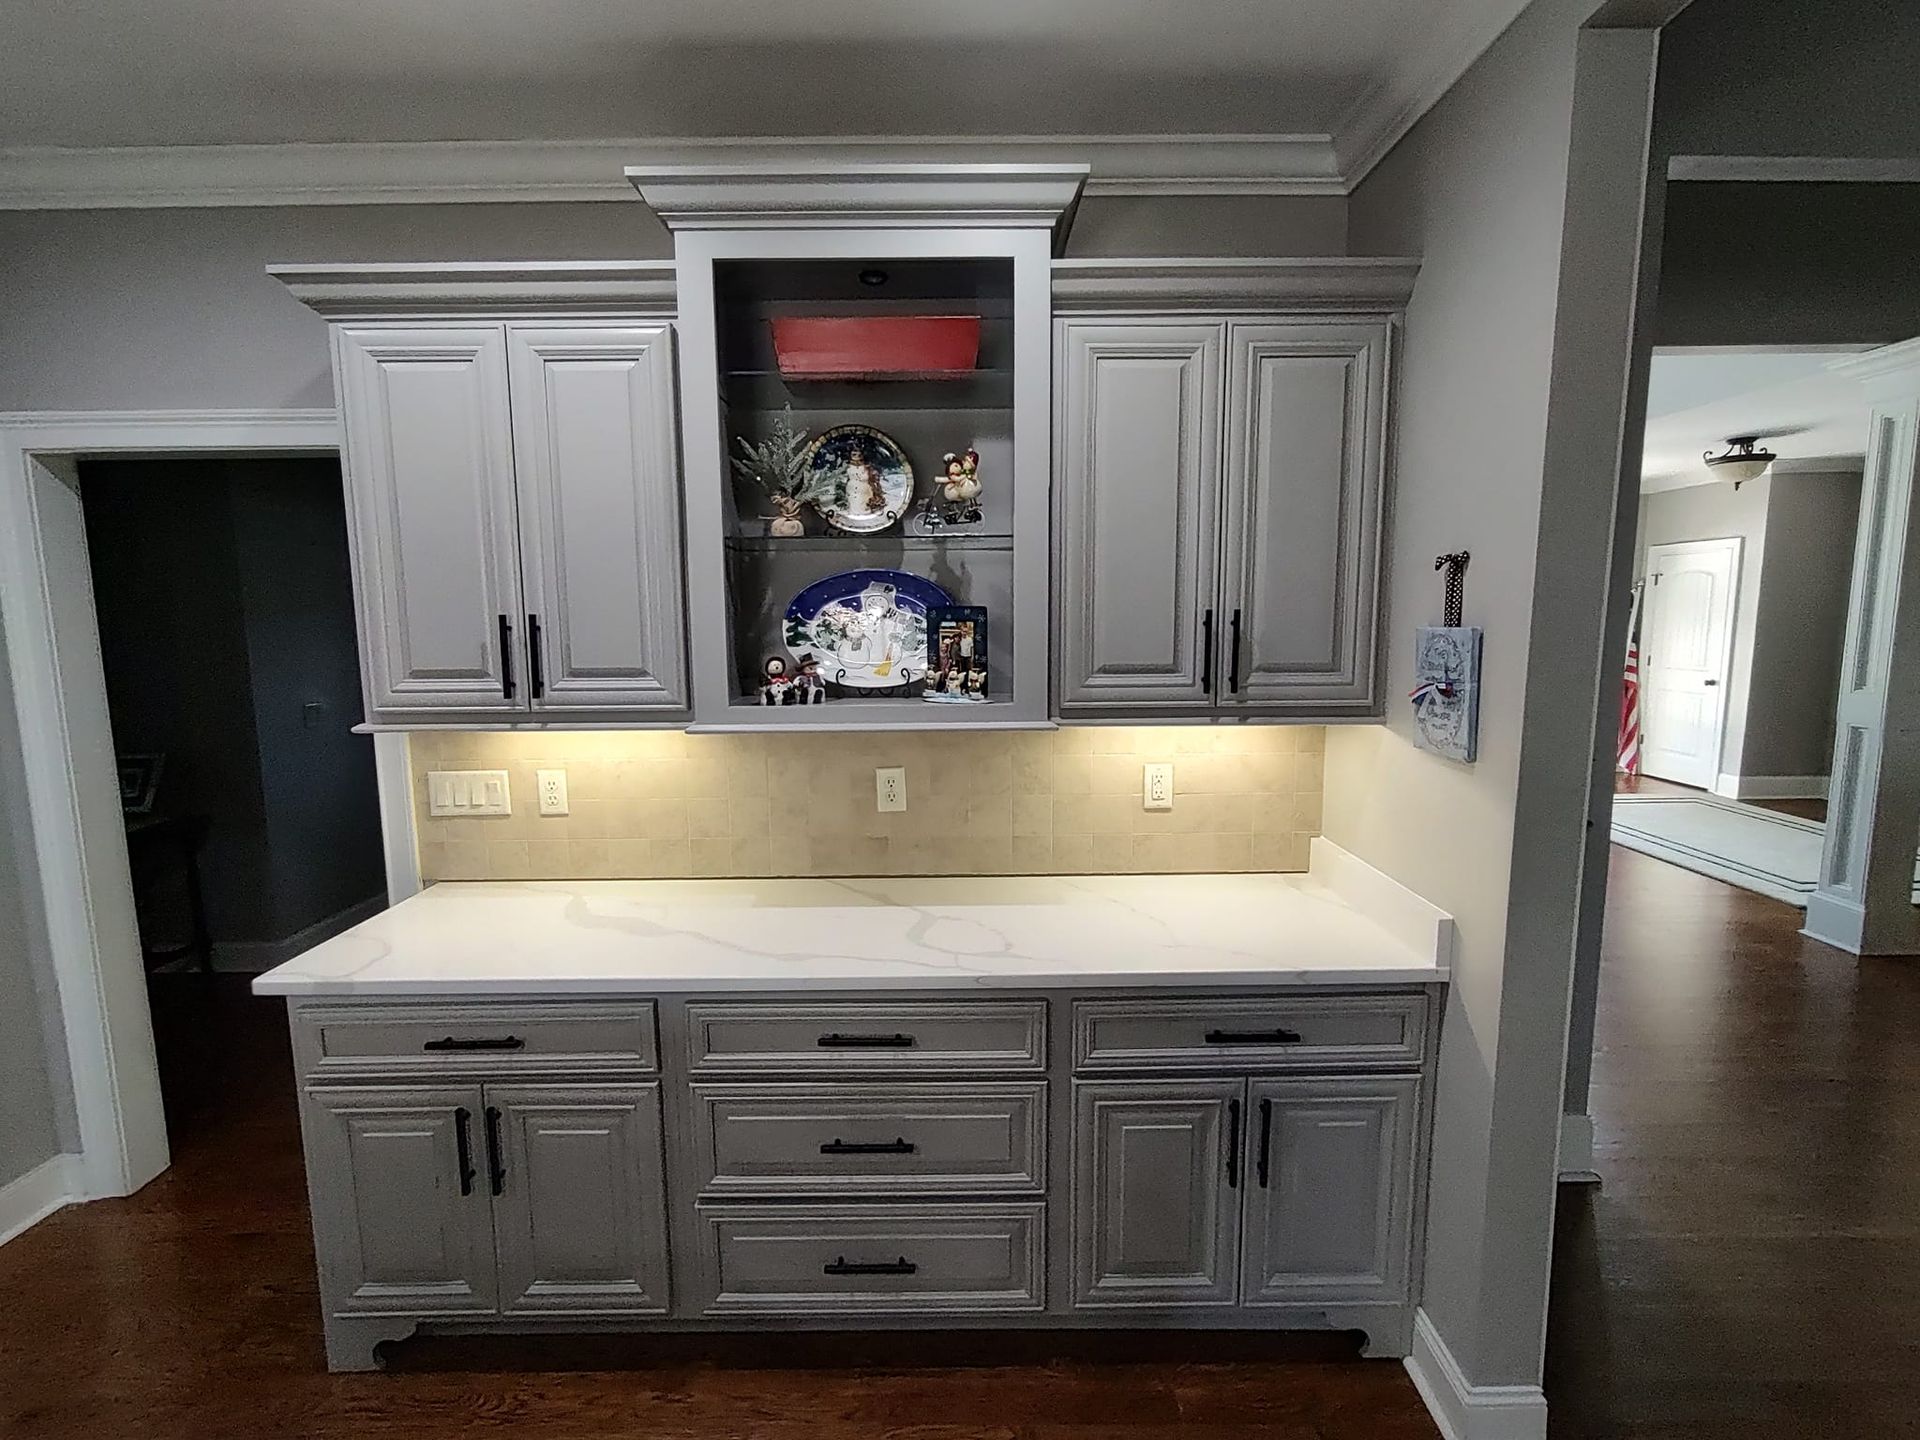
{"x":1576,"y":1150}
{"x":1771,"y":787}
{"x":1463,"y":1410}
{"x":255,"y":957}
{"x":52,"y":1185}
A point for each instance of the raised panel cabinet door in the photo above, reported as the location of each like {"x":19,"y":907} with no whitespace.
{"x":579,"y":1199}
{"x":595,"y":453}
{"x":1330,"y":1207}
{"x":1138,"y":465}
{"x":436,"y":554}
{"x":401,"y":1218}
{"x":1156,"y":1193}
{"x":1306,"y":458}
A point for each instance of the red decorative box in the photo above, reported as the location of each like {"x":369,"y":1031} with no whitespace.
{"x":876,"y":347}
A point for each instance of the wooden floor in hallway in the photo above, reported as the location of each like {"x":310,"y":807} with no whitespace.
{"x":1750,"y":1268}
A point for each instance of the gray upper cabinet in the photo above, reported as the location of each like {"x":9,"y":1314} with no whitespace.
{"x":1301,"y":532}
{"x":1138,"y":432}
{"x":580,"y":1221}
{"x":1221,"y":435}
{"x":599,"y":509}
{"x":400,"y":1214}
{"x":1330,"y":1212}
{"x":429,"y":463}
{"x":1156,"y":1218}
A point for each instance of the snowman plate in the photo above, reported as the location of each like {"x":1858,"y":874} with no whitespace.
{"x":867,"y":628}
{"x":859,"y":478}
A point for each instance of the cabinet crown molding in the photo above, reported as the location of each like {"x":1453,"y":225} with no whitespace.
{"x":866,"y":196}
{"x":388,"y":291}
{"x":1342,"y":283}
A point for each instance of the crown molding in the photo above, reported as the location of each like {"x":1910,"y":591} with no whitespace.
{"x":492,"y":172}
{"x":1381,"y":117}
{"x":1347,"y":284}
{"x":1890,"y":371}
{"x":396,"y":291}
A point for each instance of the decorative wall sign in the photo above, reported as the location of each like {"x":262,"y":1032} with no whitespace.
{"x":956,"y":654}
{"x":866,"y":628}
{"x":859,"y":478}
{"x":1446,"y":673}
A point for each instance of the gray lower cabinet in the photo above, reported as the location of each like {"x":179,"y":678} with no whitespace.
{"x":1156,"y":1198}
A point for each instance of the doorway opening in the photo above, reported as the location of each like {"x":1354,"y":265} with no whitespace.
{"x":224,"y":603}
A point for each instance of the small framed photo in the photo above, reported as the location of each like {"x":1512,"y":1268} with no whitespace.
{"x":956,"y":654}
{"x":139,"y":782}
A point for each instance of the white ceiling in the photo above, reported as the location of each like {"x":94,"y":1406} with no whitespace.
{"x":1351,"y":74}
{"x":1696,"y":400}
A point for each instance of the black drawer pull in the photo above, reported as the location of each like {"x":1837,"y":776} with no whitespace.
{"x":843,"y":1266}
{"x":1253,"y":1037}
{"x":865,"y":1042}
{"x":475,"y":1042}
{"x":496,"y":1152}
{"x":838,"y":1146}
{"x":463,"y":1143}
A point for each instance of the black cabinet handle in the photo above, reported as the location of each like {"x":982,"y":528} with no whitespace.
{"x":463,"y":1143}
{"x":1233,"y":1144}
{"x":496,"y":1163}
{"x":835,"y":1041}
{"x":840,"y":1265}
{"x":475,"y":1042}
{"x":838,"y":1146}
{"x":1206,"y":651}
{"x":506,"y":658}
{"x":536,"y":663}
{"x":1233,"y":655}
{"x":1275,"y":1036}
{"x":1266,"y":1138}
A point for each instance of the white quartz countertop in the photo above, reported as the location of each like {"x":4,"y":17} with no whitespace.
{"x":1341,"y":924}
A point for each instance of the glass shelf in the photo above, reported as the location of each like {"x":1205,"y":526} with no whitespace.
{"x":983,"y":389}
{"x":884,"y":540}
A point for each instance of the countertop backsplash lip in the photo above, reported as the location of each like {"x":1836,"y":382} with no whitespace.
{"x":1343,"y":926}
{"x":670,"y":805}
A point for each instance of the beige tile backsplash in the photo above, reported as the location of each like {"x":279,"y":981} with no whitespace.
{"x":662,"y":804}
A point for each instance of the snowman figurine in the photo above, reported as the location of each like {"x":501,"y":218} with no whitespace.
{"x":960,"y":488}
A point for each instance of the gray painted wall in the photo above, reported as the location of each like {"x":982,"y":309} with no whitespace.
{"x":131,"y":309}
{"x":35,"y":1106}
{"x":1478,"y":189}
{"x":1801,"y":626}
{"x":1717,"y":512}
{"x":1808,"y":265}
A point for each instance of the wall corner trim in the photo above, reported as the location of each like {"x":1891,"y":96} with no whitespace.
{"x":1463,"y":1410}
{"x":51,"y":1185}
{"x":1576,"y":1150}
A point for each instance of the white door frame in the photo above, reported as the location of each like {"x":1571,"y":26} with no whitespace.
{"x":1735,"y":546}
{"x":78,"y":845}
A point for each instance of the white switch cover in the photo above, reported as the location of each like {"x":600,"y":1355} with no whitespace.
{"x":890,"y":788}
{"x":1156,"y":791}
{"x":553,"y":791}
{"x":468,"y":792}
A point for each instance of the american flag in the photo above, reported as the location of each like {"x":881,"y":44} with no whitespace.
{"x":1629,"y":756}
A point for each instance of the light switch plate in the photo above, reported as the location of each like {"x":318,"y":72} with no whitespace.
{"x":890,"y":788}
{"x":552,"y":785}
{"x":468,"y":792}
{"x":1156,"y":787}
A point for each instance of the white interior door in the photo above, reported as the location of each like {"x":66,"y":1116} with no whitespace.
{"x":1686,"y":647}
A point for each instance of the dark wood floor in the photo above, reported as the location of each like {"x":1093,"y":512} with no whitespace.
{"x":1751,"y":1267}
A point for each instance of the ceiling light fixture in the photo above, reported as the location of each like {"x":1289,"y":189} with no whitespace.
{"x":1742,"y":462}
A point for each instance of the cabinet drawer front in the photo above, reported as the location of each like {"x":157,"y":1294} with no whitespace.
{"x":1250,"y":1033}
{"x":872,"y":1139}
{"x":474,"y":1039}
{"x":827,"y":1260}
{"x":856,"y":1038}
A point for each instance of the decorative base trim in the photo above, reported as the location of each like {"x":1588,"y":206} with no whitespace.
{"x":1576,"y":1151}
{"x":1463,"y":1410}
{"x":52,"y":1185}
{"x":1771,"y":787}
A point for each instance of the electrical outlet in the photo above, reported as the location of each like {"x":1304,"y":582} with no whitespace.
{"x":552,"y":785}
{"x":468,"y":792}
{"x":1156,"y":789}
{"x":890,"y":788}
